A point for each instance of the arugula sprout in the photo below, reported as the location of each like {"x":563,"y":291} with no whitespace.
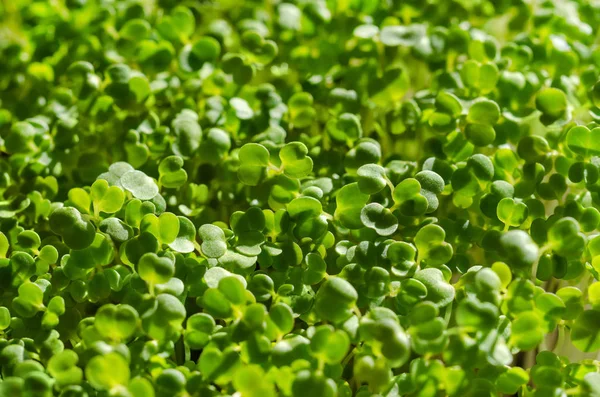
{"x":299,"y":198}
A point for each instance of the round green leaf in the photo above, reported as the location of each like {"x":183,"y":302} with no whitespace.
{"x":107,"y":371}
{"x":585,"y":331}
{"x":254,"y":159}
{"x":139,"y":184}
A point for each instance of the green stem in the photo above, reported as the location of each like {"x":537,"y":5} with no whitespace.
{"x":394,"y":207}
{"x":448,"y":314}
{"x":321,"y":366}
{"x":349,"y":357}
{"x":560,"y":340}
{"x":275,"y":170}
{"x":188,"y":354}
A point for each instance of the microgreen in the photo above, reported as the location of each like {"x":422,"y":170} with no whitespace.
{"x":299,"y":198}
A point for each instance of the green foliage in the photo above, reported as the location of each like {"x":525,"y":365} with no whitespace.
{"x":299,"y":198}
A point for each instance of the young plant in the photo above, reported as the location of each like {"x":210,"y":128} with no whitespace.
{"x":301,"y":198}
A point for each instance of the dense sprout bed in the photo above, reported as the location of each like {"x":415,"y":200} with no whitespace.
{"x":299,"y":198}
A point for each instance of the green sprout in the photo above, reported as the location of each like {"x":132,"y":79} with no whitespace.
{"x":349,"y":198}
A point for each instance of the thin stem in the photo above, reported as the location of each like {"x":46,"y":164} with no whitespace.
{"x":529,"y":359}
{"x":276,"y":170}
{"x":349,"y":357}
{"x":321,"y":365}
{"x":560,"y":340}
{"x":188,"y":354}
{"x":448,"y":314}
{"x":534,"y":270}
